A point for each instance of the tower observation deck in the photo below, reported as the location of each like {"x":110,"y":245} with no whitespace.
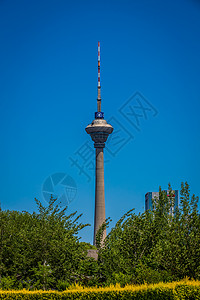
{"x":99,"y":131}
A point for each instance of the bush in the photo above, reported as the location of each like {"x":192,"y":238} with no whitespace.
{"x":176,"y":290}
{"x":7,"y":283}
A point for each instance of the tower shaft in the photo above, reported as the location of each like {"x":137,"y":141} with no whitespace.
{"x":99,"y":193}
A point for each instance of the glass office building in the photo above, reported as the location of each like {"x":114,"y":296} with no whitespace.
{"x":155,"y":195}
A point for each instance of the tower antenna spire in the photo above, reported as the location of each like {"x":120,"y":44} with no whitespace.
{"x":99,"y":83}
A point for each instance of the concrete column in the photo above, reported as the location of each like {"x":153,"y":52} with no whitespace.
{"x":99,"y":193}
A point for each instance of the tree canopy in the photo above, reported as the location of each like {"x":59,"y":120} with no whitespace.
{"x":42,"y":250}
{"x":155,"y":245}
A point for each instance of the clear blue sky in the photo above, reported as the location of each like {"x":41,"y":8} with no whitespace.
{"x":48,"y":90}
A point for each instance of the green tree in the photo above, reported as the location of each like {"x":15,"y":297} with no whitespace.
{"x":179,"y":251}
{"x":160,"y":244}
{"x":41,"y":248}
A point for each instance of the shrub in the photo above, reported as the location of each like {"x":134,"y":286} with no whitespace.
{"x":175,"y":290}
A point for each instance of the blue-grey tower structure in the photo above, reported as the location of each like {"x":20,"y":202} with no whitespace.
{"x":99,"y":131}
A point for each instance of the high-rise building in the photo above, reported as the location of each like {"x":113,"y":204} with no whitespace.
{"x":99,"y":131}
{"x":155,"y":195}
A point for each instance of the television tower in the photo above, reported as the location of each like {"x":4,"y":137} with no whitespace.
{"x":99,"y":131}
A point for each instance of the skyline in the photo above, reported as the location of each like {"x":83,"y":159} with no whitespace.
{"x":49,"y":89}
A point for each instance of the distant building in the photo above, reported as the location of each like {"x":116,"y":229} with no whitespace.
{"x":155,"y":195}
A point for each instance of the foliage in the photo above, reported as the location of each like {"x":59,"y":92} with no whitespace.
{"x":155,"y":245}
{"x":175,"y":290}
{"x":42,"y":251}
{"x":37,"y":250}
